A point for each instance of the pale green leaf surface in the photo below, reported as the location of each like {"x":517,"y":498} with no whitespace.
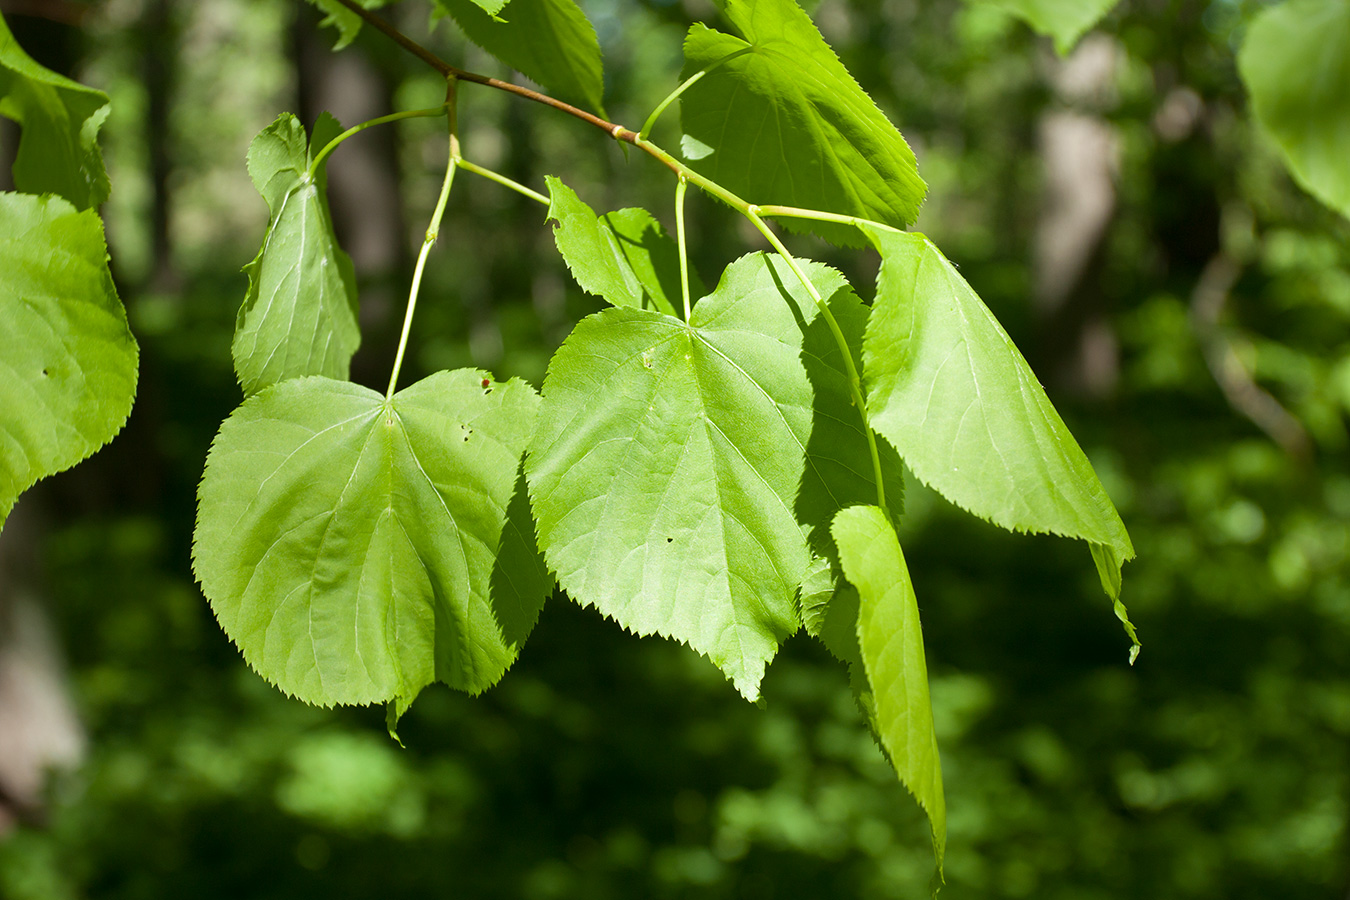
{"x":350,"y":546}
{"x":949,"y":389}
{"x":1064,"y":20}
{"x":549,"y":41}
{"x":622,"y":256}
{"x":347,"y":23}
{"x":67,"y":359}
{"x":58,"y":149}
{"x":890,"y":639}
{"x":1295,"y":62}
{"x":299,"y":316}
{"x":666,"y":461}
{"x":779,"y":120}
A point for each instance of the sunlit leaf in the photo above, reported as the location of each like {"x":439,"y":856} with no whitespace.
{"x":349,"y":544}
{"x":549,"y":41}
{"x":299,"y":317}
{"x":1064,"y":20}
{"x":778,"y":120}
{"x":666,"y":462}
{"x":67,"y":359}
{"x":58,"y":149}
{"x":947,"y":387}
{"x":622,"y":256}
{"x":1295,"y":61}
{"x":891,"y":643}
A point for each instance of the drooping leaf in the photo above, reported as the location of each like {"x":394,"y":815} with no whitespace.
{"x":891,"y":641}
{"x":67,"y":359}
{"x":350,"y":545}
{"x":622,"y":256}
{"x":1295,"y":62}
{"x":778,"y":120}
{"x":1064,"y":20}
{"x":549,"y":41}
{"x":299,"y":317}
{"x":666,"y":461}
{"x":947,"y":387}
{"x":58,"y":149}
{"x":347,"y":23}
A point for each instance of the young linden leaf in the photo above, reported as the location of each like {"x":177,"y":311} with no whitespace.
{"x":350,"y":545}
{"x":58,"y":149}
{"x":549,"y":41}
{"x":890,"y":641}
{"x":1064,"y":20}
{"x":299,"y":317}
{"x":67,"y":359}
{"x":947,"y":387}
{"x":779,"y":120}
{"x":666,"y":460}
{"x":622,"y":256}
{"x":1295,"y":62}
{"x":347,"y":23}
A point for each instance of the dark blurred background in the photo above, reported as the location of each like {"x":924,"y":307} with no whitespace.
{"x":1187,"y":307}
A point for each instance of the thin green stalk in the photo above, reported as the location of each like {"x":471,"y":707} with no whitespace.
{"x":680,"y":188}
{"x":503,"y":180}
{"x":794,"y":212}
{"x":854,"y":383}
{"x":684,"y":86}
{"x":357,"y":129}
{"x":432,"y":232}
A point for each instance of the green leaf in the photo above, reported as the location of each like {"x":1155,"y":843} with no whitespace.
{"x":349,"y":544}
{"x":947,"y":387}
{"x":549,"y":41}
{"x":58,"y":150}
{"x":891,"y":642}
{"x":1064,"y":20}
{"x":299,"y":317}
{"x":1295,"y":61}
{"x":839,"y":471}
{"x":666,"y":461}
{"x":347,"y":23}
{"x":67,"y":359}
{"x":622,"y":256}
{"x":778,"y":120}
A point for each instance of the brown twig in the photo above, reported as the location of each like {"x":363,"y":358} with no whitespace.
{"x":618,"y":132}
{"x":1239,"y":387}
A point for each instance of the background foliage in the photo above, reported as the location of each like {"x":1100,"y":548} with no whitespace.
{"x":601,"y":767}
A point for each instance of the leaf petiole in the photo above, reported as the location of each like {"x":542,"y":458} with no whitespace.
{"x":679,"y":234}
{"x":430,"y":239}
{"x":794,"y":212}
{"x":684,"y":86}
{"x":357,"y":129}
{"x":503,"y":180}
{"x":854,"y":383}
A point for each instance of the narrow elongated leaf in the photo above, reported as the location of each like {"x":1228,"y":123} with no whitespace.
{"x":349,"y":545}
{"x":666,"y":460}
{"x":67,"y":358}
{"x":299,"y":317}
{"x":58,"y":150}
{"x":549,"y":41}
{"x":891,"y":642}
{"x":1064,"y":20}
{"x":1295,"y":61}
{"x":779,"y":120}
{"x":622,"y":256}
{"x":947,"y":387}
